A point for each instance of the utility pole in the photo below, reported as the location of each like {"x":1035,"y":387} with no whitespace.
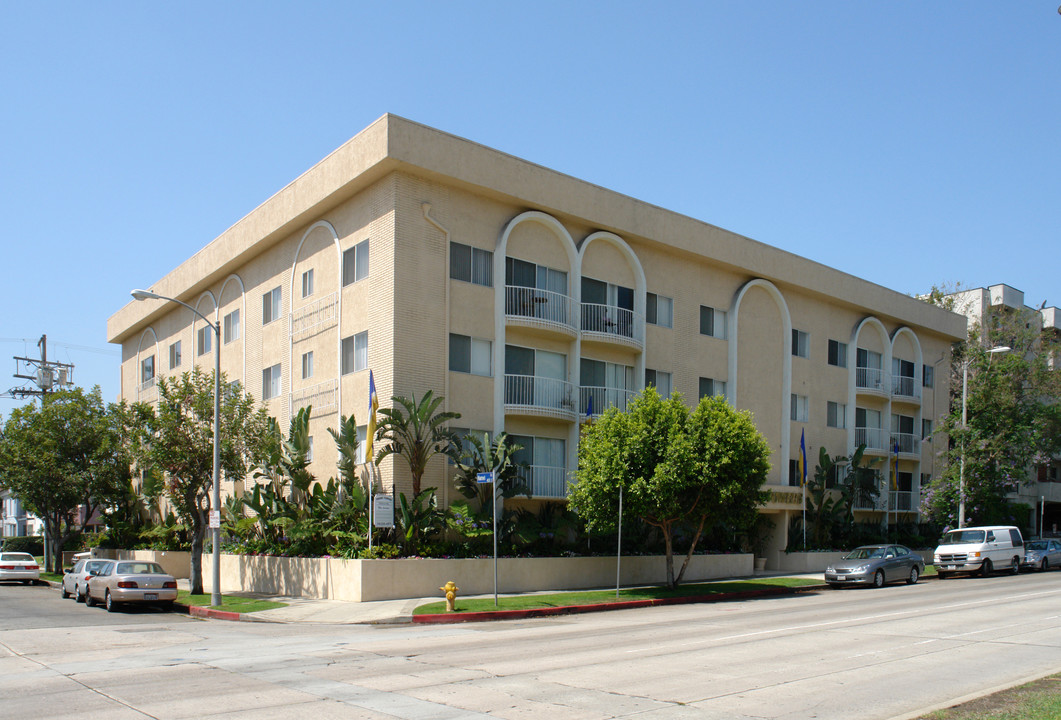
{"x":46,"y":376}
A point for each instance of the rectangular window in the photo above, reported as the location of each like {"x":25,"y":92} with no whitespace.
{"x":271,"y":382}
{"x":270,"y":306}
{"x":307,"y":365}
{"x":711,"y":388}
{"x":355,"y":263}
{"x":175,"y":355}
{"x":147,"y":369}
{"x":927,"y":375}
{"x":659,"y":310}
{"x":836,"y":415}
{"x":800,"y":343}
{"x":205,"y":336}
{"x":230,"y":327}
{"x":712,"y":322}
{"x":661,"y":380}
{"x":361,"y":351}
{"x":837,"y":353}
{"x":471,"y":264}
{"x":470,"y":355}
{"x":800,"y":412}
{"x":307,"y":283}
{"x":926,"y":429}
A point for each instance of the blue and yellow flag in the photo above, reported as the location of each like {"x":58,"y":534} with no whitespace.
{"x":895,"y":471}
{"x":373,"y":405}
{"x":801,"y":462}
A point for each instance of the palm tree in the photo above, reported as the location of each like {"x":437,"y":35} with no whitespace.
{"x":416,"y":430}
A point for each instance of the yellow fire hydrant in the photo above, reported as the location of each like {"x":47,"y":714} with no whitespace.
{"x":450,"y":589}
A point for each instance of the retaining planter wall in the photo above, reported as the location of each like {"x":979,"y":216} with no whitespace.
{"x":365,"y":580}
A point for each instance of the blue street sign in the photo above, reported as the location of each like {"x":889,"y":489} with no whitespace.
{"x":484,"y":477}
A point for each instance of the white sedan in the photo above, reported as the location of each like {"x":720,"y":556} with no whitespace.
{"x":131,"y":581}
{"x":19,"y":566}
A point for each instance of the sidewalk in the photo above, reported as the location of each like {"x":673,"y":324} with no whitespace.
{"x":310,"y":610}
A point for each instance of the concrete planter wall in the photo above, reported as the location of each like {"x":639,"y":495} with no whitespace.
{"x":176,"y":562}
{"x":366,"y":580}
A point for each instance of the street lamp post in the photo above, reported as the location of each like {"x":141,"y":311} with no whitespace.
{"x":965,"y":417}
{"x":215,"y":502}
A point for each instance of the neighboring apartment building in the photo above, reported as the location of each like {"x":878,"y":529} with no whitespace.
{"x":524,"y":296}
{"x":1043,"y":491}
{"x":15,"y":520}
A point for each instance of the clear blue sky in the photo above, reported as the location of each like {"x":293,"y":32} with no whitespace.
{"x":908,"y":143}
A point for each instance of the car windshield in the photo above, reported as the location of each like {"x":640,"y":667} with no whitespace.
{"x":139,"y":568}
{"x":959,"y":537}
{"x":19,"y":557}
{"x":864,"y":553}
{"x":1035,"y":545}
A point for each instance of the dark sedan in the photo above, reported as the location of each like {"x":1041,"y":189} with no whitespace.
{"x":875,"y":565}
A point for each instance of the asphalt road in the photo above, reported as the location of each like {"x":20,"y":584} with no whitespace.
{"x":833,"y":654}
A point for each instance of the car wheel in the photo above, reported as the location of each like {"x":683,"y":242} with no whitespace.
{"x":1014,"y":566}
{"x":109,"y":602}
{"x":78,"y":595}
{"x":987,"y":568}
{"x":89,"y":600}
{"x":914,"y":575}
{"x":1044,"y":565}
{"x":878,"y":579}
{"x":64,"y":594}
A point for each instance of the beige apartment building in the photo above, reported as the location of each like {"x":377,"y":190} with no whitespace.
{"x":529,"y":298}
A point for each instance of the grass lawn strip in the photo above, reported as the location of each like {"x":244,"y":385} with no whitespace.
{"x":1038,"y":700}
{"x":594,"y":597}
{"x":229,"y":603}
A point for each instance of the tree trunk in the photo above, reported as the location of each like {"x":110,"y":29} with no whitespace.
{"x":670,"y":555}
{"x":692,"y":548}
{"x":53,"y":561}
{"x":195,"y":573}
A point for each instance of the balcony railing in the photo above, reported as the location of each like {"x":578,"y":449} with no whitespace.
{"x":903,"y":501}
{"x":613,"y":322}
{"x":545,"y":481}
{"x":870,"y":503}
{"x":906,"y":387}
{"x":909,"y":444}
{"x":322,"y":397}
{"x":543,"y":308}
{"x":867,"y":378}
{"x":539,"y":395}
{"x":872,"y":438}
{"x":603,"y":398}
{"x":315,"y":316}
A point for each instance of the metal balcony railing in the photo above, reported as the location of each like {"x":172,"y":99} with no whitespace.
{"x":539,"y":307}
{"x":615,"y":322}
{"x":315,"y":316}
{"x":545,"y":481}
{"x":603,"y":398}
{"x":869,"y":378}
{"x":909,"y":444}
{"x":903,"y":501}
{"x":872,"y":438}
{"x":323,"y":397}
{"x":906,"y":387}
{"x":542,"y":394}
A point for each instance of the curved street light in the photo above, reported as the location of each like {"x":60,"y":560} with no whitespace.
{"x":215,"y":591}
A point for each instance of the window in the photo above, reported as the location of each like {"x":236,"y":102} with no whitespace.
{"x":471,"y":264}
{"x":607,"y":308}
{"x":800,"y":343}
{"x":147,"y":370}
{"x":800,"y":412}
{"x":307,"y":283}
{"x":355,"y":353}
{"x":710,"y":388}
{"x":205,"y":335}
{"x":661,"y":380}
{"x":712,"y":322}
{"x":927,"y":375}
{"x":355,"y":263}
{"x":836,"y":415}
{"x":175,"y":355}
{"x":604,"y":384}
{"x":271,"y":382}
{"x":926,"y":429}
{"x":462,"y":434}
{"x":545,"y":472}
{"x":659,"y":310}
{"x":794,"y":478}
{"x":231,"y":326}
{"x":362,"y":439}
{"x":837,"y":353}
{"x":307,"y":365}
{"x":470,"y":355}
{"x":270,"y":306}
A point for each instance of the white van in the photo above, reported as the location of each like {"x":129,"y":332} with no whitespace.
{"x":979,"y":549}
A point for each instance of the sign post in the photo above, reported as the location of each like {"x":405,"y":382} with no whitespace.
{"x":489,"y":478}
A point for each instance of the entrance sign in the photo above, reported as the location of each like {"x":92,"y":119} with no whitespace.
{"x":383,"y":511}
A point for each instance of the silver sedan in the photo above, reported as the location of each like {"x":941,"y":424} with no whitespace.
{"x":131,"y":581}
{"x":1042,"y":554}
{"x":75,"y":580}
{"x":875,"y":565}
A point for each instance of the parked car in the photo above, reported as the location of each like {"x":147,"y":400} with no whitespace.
{"x":19,"y":566}
{"x":1042,"y":554}
{"x":875,"y":565}
{"x":131,"y":581}
{"x":979,"y":549}
{"x":75,"y":579}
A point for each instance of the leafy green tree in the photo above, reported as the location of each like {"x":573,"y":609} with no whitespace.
{"x":66,"y":454}
{"x":676,"y":468}
{"x":1014,"y":418}
{"x":178,"y":441}
{"x":416,"y":431}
